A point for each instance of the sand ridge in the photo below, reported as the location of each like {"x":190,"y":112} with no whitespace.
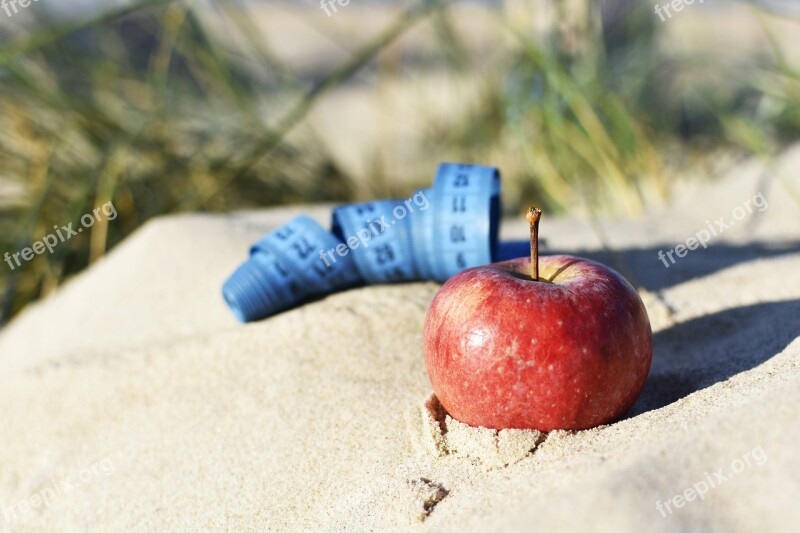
{"x":321,"y":418}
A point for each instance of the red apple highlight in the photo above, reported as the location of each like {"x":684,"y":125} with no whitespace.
{"x":561,"y":343}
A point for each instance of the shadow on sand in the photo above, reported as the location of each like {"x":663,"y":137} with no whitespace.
{"x":649,"y":271}
{"x":710,"y":349}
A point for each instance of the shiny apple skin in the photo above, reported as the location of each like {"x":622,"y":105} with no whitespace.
{"x":570,"y":352}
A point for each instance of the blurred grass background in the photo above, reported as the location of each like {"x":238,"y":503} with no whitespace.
{"x":172,"y":106}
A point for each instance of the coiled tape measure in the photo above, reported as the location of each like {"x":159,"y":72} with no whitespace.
{"x":433,"y":235}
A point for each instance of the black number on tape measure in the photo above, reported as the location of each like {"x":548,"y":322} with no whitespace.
{"x":281,"y":269}
{"x":322,"y":270}
{"x":295,"y":289}
{"x":458,"y":234}
{"x":366,"y":208}
{"x":459,"y":204}
{"x":303,"y":248}
{"x":396,"y":274}
{"x":460,"y":260}
{"x":284,"y":233}
{"x":384,"y":254}
{"x":462,"y":180}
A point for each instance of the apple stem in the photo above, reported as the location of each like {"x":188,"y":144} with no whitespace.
{"x":533,"y":216}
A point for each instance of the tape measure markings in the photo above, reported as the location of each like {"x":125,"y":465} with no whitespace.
{"x":382,"y":241}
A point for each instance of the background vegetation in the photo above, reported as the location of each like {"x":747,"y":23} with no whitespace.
{"x":146,"y":106}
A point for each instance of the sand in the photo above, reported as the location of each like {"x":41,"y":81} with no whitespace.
{"x":131,"y":399}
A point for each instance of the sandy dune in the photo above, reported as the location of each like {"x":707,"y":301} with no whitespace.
{"x":131,"y":400}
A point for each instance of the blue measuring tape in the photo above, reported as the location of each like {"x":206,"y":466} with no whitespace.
{"x":379,"y":237}
{"x":432,"y":235}
{"x":465,"y":218}
{"x":285,"y":269}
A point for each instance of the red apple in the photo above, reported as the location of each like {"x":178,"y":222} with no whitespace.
{"x":507,"y":348}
